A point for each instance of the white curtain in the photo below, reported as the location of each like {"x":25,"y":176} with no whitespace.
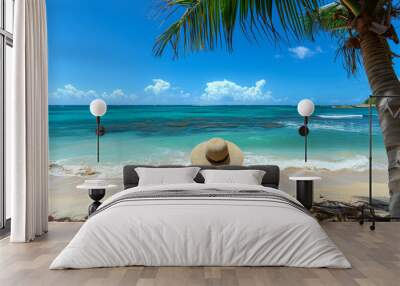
{"x":27,"y":123}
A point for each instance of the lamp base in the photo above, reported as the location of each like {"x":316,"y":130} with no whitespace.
{"x":101,"y":130}
{"x":96,"y":195}
{"x":304,"y":131}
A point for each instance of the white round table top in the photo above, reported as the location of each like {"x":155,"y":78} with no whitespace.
{"x":304,"y":178}
{"x":95,"y":187}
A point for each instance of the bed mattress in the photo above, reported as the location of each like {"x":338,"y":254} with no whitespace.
{"x":201,"y":225}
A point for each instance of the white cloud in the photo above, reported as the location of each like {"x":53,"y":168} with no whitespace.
{"x":301,"y":52}
{"x":69,"y":94}
{"x":165,"y":93}
{"x":117,"y":93}
{"x":72,"y":91}
{"x":220,"y":92}
{"x":158,"y":86}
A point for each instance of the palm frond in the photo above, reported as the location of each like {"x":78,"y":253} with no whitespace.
{"x":205,"y":24}
{"x":333,"y":18}
{"x":352,"y":5}
{"x":336,"y":19}
{"x":349,"y":54}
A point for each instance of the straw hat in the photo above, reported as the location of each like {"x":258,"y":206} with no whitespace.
{"x":217,"y":151}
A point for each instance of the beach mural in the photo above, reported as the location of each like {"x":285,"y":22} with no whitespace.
{"x":338,"y":146}
{"x":159,"y":109}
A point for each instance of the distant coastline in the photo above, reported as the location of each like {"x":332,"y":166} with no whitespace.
{"x":363,"y":105}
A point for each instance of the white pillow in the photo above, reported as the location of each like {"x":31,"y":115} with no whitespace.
{"x":246,"y":177}
{"x":166,"y":176}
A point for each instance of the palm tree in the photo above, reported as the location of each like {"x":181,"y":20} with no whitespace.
{"x":362,"y":28}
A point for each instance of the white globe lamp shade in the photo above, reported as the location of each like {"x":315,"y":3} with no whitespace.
{"x":98,"y":107}
{"x":306,"y":108}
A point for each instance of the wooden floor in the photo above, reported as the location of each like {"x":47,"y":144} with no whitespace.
{"x":375,"y":257}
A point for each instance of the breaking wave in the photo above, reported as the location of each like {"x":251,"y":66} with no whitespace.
{"x":337,"y":116}
{"x":109,"y":170}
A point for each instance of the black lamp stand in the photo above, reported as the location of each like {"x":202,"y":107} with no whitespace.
{"x":98,"y":137}
{"x":370,"y":205}
{"x":303,"y":131}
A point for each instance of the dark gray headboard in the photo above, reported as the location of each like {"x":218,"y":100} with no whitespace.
{"x":271,"y":178}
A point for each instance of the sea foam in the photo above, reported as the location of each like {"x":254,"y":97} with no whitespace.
{"x":109,"y":170}
{"x":356,"y":163}
{"x":341,"y":127}
{"x":339,"y":116}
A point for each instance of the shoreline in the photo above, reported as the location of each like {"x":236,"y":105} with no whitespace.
{"x":68,"y":203}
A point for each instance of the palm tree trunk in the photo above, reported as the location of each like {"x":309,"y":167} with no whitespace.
{"x":383,"y":80}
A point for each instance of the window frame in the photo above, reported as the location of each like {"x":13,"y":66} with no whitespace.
{"x":6,"y":39}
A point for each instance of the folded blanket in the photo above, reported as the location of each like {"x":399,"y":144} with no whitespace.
{"x":205,"y":193}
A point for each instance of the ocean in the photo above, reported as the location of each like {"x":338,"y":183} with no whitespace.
{"x":338,"y":137}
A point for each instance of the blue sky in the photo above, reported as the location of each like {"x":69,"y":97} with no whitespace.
{"x":101,"y":48}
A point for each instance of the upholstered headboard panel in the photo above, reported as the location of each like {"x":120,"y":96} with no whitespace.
{"x":271,"y":178}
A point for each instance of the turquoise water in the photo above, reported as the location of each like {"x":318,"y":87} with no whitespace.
{"x":166,"y":134}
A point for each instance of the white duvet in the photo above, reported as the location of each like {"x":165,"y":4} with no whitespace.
{"x":202,"y":232}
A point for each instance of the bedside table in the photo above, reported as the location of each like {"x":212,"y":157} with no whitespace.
{"x":305,"y":190}
{"x":96,"y":193}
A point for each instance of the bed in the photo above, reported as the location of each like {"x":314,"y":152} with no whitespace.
{"x":197,"y":224}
